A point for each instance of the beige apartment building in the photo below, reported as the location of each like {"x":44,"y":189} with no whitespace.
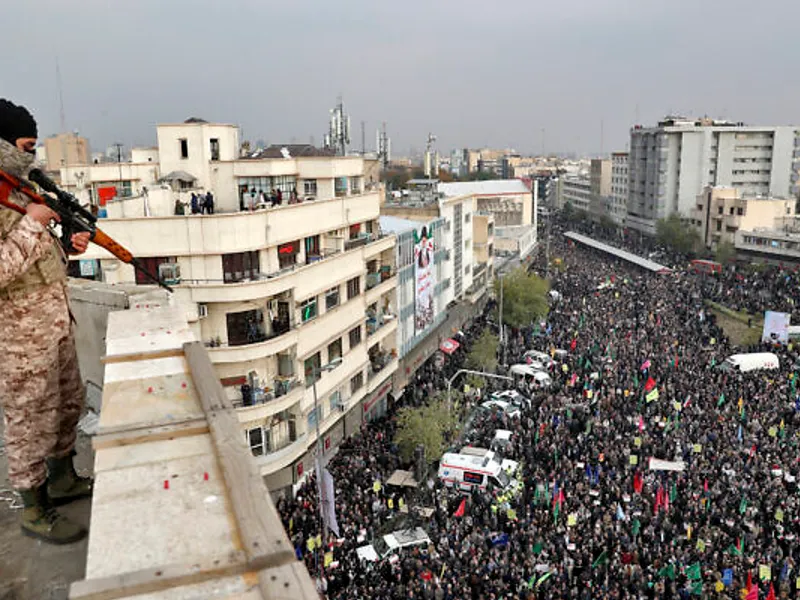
{"x":66,"y":150}
{"x":722,"y":211}
{"x":275,"y":292}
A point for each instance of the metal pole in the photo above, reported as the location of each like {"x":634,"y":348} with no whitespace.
{"x":316,"y":373}
{"x":502,"y":329}
{"x":462,"y":371}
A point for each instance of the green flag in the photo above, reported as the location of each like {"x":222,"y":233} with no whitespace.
{"x":693,"y":572}
{"x":743,"y":505}
{"x":544,"y":578}
{"x":537,"y":548}
{"x":721,"y":400}
{"x":673,"y":492}
{"x":531,"y":581}
{"x":668,"y":571}
{"x":697,"y":588}
{"x":601,"y":560}
{"x":635,"y":527}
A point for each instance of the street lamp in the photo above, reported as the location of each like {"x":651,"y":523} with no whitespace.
{"x":481,"y":373}
{"x":315,"y":373}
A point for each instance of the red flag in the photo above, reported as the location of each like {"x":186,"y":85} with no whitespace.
{"x":461,"y":508}
{"x":638,"y":484}
{"x":573,"y":344}
{"x":705,"y":486}
{"x":771,"y":595}
{"x":649,"y":384}
{"x":657,"y":503}
{"x":753,"y":450}
{"x":749,"y":585}
{"x":641,"y":423}
{"x":752,"y":594}
{"x":561,"y":497}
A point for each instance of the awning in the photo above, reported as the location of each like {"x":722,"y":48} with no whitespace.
{"x":449,"y":346}
{"x":402,"y":478}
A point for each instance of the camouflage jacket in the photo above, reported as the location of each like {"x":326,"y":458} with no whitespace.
{"x":30,"y":257}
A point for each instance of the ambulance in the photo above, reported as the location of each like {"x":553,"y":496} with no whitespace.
{"x":478,"y":468}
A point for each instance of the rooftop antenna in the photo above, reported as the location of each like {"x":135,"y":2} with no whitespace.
{"x":63,"y":118}
{"x":338,"y":136}
{"x":428,"y":156}
{"x":601,"y":136}
{"x":363,"y":138}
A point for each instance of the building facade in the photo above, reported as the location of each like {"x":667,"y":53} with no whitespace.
{"x":618,"y":207}
{"x":774,"y":246}
{"x":577,"y":191}
{"x":510,"y":201}
{"x":671,"y":163}
{"x":276,"y":292}
{"x":66,"y":150}
{"x":720,"y":212}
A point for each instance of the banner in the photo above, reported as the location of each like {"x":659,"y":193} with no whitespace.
{"x":776,"y":327}
{"x":657,"y":464}
{"x":328,"y":502}
{"x":424,"y":279}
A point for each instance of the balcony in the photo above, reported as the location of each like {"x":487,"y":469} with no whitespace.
{"x":268,"y":346}
{"x":376,"y":291}
{"x":287,"y":393}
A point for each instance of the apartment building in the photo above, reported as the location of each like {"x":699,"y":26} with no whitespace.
{"x":65,"y":150}
{"x":780,"y":245}
{"x":671,"y":163}
{"x":618,"y":206}
{"x":720,"y":212}
{"x":600,"y":182}
{"x":577,"y":191}
{"x":275,"y":292}
{"x":509,"y":200}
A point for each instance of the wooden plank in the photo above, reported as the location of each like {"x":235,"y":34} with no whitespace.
{"x":171,"y":576}
{"x":123,"y":457}
{"x":108,"y":360}
{"x":142,"y":435}
{"x":258,"y":522}
{"x":288,"y":582}
{"x":147,"y":330}
{"x":151,"y":368}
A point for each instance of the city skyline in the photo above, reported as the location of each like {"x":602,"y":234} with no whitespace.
{"x":476,"y":77}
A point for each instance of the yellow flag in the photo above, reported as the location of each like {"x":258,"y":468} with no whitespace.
{"x":511,"y":514}
{"x":719,"y":586}
{"x":637,"y":441}
{"x":701,"y":545}
{"x":328,"y":559}
{"x":677,"y":405}
{"x":318,"y":541}
{"x":689,"y":532}
{"x":572,"y":520}
{"x":310,"y":544}
{"x":391,"y":503}
{"x":401,"y":503}
{"x":773,"y":431}
{"x":564,"y":368}
{"x":626,"y":393}
{"x":764,"y":572}
{"x":633,"y":459}
{"x":698,"y":448}
{"x":589,"y":394}
{"x":376,"y":486}
{"x":779,"y":514}
{"x":740,"y":403}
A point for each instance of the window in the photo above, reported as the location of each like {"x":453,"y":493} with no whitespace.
{"x":214,"y":144}
{"x":246,"y":327}
{"x":311,"y":368}
{"x":312,"y":248}
{"x":312,"y":417}
{"x":353,"y":288}
{"x":255,"y":437}
{"x":332,"y":298}
{"x":287,"y":254}
{"x":340,"y":186}
{"x":335,"y":400}
{"x":152,"y":265}
{"x":466,"y":270}
{"x":731,"y":211}
{"x":335,"y":350}
{"x":355,"y":185}
{"x":239,"y":266}
{"x":356,"y":382}
{"x":355,"y":231}
{"x":467,"y":217}
{"x":184,"y":147}
{"x":719,"y":225}
{"x":740,"y":211}
{"x":475,"y":478}
{"x":719,"y":210}
{"x":308,"y":309}
{"x":310,"y":187}
{"x":355,"y":337}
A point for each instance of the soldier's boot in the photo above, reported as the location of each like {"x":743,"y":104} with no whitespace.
{"x":63,"y":482}
{"x":42,"y":521}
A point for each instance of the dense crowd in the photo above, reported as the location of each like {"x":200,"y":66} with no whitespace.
{"x":641,"y":379}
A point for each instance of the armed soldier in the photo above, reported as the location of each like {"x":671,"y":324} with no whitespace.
{"x":41,"y":391}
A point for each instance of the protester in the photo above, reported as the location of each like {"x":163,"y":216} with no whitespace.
{"x":640,"y":380}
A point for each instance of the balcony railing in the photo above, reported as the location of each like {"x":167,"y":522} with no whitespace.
{"x":258,"y":396}
{"x":375,"y":279}
{"x":379,"y":362}
{"x":281,"y":328}
{"x":375,"y":323}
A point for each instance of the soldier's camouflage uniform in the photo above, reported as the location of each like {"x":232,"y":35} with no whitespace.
{"x":41,"y":391}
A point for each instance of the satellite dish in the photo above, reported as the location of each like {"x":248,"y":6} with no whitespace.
{"x":285,"y":152}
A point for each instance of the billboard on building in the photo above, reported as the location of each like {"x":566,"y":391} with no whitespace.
{"x":776,"y":327}
{"x":424,"y":278}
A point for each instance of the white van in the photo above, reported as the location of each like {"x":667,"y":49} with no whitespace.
{"x":466,"y":472}
{"x":501,"y":441}
{"x":504,"y":406}
{"x":751,"y":362}
{"x":528,"y":378}
{"x":389,"y":544}
{"x":537,"y":357}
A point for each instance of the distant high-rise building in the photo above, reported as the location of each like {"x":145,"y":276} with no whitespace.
{"x":619,"y":187}
{"x":671,"y":163}
{"x":66,"y":150}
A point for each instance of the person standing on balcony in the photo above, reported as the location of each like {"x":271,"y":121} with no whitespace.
{"x":209,"y":203}
{"x":40,"y":386}
{"x":195,"y":205}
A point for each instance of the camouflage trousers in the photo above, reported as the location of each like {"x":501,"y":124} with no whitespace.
{"x":41,"y":390}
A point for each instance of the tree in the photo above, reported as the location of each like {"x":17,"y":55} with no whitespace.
{"x":725,"y":252}
{"x":569,"y":211}
{"x":430,"y":426}
{"x":673,"y":233}
{"x":524,"y":297}
{"x":483,"y":356}
{"x":607,"y":224}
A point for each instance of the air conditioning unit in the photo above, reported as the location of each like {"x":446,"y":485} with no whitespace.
{"x":202,"y":311}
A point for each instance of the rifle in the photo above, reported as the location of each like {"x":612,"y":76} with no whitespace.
{"x":74,"y":218}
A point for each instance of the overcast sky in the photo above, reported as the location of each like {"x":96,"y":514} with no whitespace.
{"x":475,"y":73}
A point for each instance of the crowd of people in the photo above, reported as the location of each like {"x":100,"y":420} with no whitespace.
{"x":716,"y":514}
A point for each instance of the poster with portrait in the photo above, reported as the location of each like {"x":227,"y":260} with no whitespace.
{"x":776,"y":327}
{"x":424,"y":279}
